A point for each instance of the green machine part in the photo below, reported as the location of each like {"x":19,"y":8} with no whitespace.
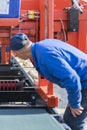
{"x":27,"y":119}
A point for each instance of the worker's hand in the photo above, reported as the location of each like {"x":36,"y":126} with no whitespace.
{"x":76,"y":111}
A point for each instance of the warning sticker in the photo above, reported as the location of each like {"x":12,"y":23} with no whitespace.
{"x":4,"y":6}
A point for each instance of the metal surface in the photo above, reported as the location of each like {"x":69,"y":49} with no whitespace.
{"x":27,"y":119}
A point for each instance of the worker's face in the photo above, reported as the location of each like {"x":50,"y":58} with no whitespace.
{"x":24,"y":52}
{"x":20,"y":54}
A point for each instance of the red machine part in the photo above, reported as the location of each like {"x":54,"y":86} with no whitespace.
{"x":41,"y":19}
{"x":52,"y":22}
{"x":5,"y":34}
{"x":11,"y":85}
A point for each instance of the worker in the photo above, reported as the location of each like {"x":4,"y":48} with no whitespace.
{"x":62,"y":64}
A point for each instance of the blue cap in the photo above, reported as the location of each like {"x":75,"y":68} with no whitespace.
{"x":16,"y":42}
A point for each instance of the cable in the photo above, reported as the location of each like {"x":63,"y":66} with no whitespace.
{"x":63,"y":29}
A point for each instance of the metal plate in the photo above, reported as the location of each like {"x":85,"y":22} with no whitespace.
{"x":27,"y":119}
{"x":9,"y":8}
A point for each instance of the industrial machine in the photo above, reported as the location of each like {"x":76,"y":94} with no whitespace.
{"x":38,"y":19}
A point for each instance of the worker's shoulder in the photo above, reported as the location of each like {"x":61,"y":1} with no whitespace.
{"x":50,"y":42}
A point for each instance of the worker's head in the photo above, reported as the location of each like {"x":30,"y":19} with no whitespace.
{"x":19,"y":44}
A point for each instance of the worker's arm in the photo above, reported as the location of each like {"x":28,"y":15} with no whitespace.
{"x":69,"y":79}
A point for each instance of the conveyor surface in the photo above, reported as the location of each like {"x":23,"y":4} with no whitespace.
{"x":27,"y":119}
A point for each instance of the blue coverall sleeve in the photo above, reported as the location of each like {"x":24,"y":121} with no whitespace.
{"x":69,"y":79}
